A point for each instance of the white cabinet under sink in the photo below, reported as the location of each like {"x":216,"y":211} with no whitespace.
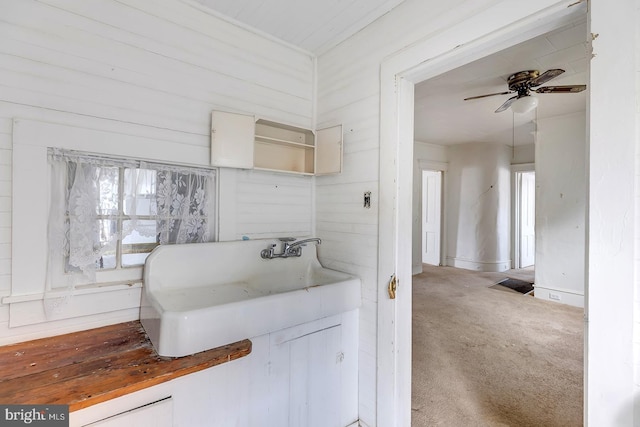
{"x":155,"y":414}
{"x":307,"y":375}
{"x":241,"y":141}
{"x":310,"y":368}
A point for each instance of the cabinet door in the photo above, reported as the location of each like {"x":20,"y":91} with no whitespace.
{"x":157,"y":414}
{"x":329,"y":150}
{"x":232,"y":137}
{"x":305,"y":380}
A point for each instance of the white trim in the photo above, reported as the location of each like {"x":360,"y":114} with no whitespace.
{"x":65,"y":326}
{"x":433,"y":166}
{"x":523,"y":167}
{"x":486,"y":266}
{"x":564,"y":296}
{"x":73,"y":306}
{"x":80,"y":290}
{"x":476,"y":37}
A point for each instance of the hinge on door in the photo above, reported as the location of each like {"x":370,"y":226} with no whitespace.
{"x":393,"y":286}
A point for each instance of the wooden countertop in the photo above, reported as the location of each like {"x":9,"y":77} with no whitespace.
{"x":89,"y":367}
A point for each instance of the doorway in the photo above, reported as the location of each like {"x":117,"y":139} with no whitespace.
{"x":431,"y":217}
{"x":523,"y":185}
{"x":398,"y":75}
{"x":480,"y":187}
{"x":527,"y":227}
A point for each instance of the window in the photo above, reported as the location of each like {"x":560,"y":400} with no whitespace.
{"x":108,"y":214}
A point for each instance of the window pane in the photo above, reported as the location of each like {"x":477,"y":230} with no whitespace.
{"x":132,"y":260}
{"x":108,"y":182}
{"x":106,"y":261}
{"x":145,"y":231}
{"x":107,"y":231}
{"x":137,"y":245}
{"x":139,"y":191}
{"x":83,"y":248}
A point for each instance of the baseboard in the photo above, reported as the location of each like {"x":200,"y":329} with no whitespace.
{"x":417,"y":269}
{"x":491,"y":267}
{"x":560,"y":296}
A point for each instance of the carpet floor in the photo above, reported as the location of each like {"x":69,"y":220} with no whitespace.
{"x":482,"y":357}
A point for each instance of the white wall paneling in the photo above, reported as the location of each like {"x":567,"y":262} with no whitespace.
{"x":140,"y":79}
{"x":272,"y":205}
{"x":561,"y":209}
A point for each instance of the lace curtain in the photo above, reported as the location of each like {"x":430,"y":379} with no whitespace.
{"x":97,"y":201}
{"x":181,"y":206}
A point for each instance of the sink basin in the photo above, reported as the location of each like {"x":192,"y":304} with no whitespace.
{"x":205,"y":295}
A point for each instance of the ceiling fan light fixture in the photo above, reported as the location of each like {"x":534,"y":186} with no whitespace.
{"x":524,"y":104}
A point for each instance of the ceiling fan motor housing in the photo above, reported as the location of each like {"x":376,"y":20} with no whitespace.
{"x":520,"y":82}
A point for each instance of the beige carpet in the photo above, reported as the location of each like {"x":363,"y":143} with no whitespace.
{"x":482,"y":357}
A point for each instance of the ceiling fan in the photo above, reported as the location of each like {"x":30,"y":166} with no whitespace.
{"x":523,"y":82}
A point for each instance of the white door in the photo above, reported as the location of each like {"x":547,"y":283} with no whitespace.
{"x":527,"y":219}
{"x":431,"y":208}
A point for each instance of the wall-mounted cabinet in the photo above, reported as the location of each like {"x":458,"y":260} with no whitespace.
{"x":241,"y":141}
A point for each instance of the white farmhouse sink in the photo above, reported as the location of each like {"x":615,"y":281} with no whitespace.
{"x":205,"y":295}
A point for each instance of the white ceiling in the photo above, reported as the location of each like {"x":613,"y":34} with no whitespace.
{"x":442,"y":117}
{"x":313,"y":25}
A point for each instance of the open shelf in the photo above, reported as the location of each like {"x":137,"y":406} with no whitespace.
{"x":268,"y":139}
{"x":240,"y":141}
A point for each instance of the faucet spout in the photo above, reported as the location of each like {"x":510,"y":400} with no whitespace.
{"x":304,"y":242}
{"x":295,"y":248}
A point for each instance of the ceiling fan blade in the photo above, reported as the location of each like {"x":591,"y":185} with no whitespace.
{"x":506,"y":104}
{"x":545,"y":77}
{"x":561,"y":89}
{"x":490,"y":94}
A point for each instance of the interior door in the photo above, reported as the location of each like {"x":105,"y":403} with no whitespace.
{"x":431,"y":212}
{"x":527,"y":219}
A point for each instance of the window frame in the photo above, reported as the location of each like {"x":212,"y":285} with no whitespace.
{"x":111,"y":298}
{"x":61,"y":276}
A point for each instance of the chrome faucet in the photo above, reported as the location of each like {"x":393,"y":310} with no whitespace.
{"x":288,"y":249}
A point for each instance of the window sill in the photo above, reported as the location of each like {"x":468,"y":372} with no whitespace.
{"x":79,"y":290}
{"x":85,"y":302}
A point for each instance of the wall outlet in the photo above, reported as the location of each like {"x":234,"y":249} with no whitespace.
{"x":555,"y":297}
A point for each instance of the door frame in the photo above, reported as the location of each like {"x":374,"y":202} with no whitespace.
{"x":516,"y":190}
{"x":454,"y":46}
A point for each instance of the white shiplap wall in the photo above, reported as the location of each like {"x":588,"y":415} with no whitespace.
{"x":155,"y":70}
{"x":349,"y":93}
{"x":270,"y":206}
